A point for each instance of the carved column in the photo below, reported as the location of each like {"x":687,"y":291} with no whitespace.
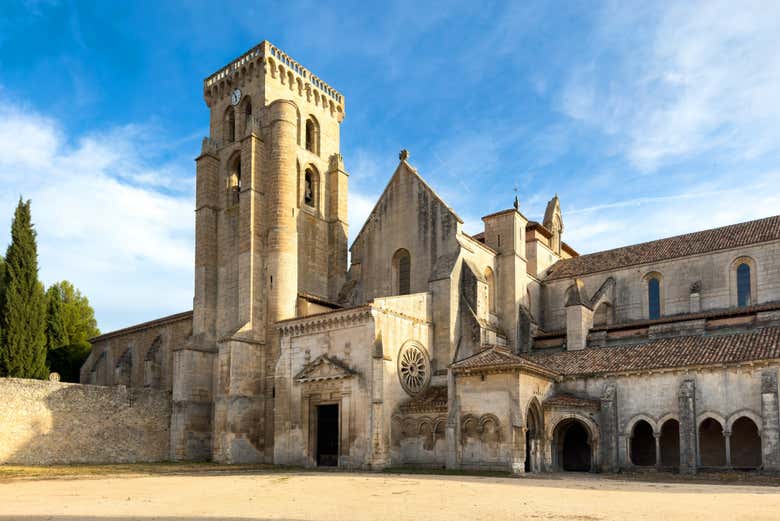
{"x":657,"y":437}
{"x":518,"y":449}
{"x":609,"y":428}
{"x":686,"y":400}
{"x":453,"y":424}
{"x":770,"y":428}
{"x":727,"y":439}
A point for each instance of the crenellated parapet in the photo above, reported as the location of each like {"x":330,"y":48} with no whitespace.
{"x":274,"y":64}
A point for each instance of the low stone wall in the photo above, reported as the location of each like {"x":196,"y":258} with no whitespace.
{"x":44,"y":423}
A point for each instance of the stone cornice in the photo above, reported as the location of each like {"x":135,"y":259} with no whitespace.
{"x":324,"y":321}
{"x":397,"y":314}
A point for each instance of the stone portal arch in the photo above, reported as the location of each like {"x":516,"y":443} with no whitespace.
{"x":574,"y":444}
{"x":534,"y":436}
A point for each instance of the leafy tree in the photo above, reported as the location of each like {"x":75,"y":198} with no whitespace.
{"x":23,"y":321}
{"x":70,"y":323}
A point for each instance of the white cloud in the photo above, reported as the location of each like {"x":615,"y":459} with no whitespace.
{"x":101,"y":218}
{"x":709,"y":204}
{"x":693,"y":78}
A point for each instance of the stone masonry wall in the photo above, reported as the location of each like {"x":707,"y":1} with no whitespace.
{"x":43,"y":423}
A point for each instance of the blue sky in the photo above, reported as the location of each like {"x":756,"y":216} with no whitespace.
{"x":647,"y":120}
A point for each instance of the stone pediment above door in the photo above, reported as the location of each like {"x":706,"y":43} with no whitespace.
{"x":324,"y":368}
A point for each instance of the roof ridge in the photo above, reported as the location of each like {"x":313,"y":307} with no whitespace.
{"x":682,"y":245}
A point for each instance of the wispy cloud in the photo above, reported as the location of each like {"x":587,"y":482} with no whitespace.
{"x":103,"y":220}
{"x":680,"y":80}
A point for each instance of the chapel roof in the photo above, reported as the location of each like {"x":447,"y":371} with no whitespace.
{"x":496,"y":358}
{"x":725,"y":237}
{"x":666,"y":353}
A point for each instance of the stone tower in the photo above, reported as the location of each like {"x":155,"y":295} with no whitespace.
{"x":271,"y":232}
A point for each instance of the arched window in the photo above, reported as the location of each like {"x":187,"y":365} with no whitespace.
{"x":247,"y":113}
{"x":230,"y":125}
{"x":743,"y":285}
{"x":642,"y":446}
{"x":234,"y":179}
{"x":491,"y":290}
{"x":402,"y":268}
{"x":312,"y":135}
{"x":654,"y":297}
{"x":310,"y":188}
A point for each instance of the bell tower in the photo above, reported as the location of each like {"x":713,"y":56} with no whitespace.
{"x":271,"y":230}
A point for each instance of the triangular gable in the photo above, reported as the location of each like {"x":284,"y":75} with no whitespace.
{"x":323,"y":368}
{"x":404,"y":168}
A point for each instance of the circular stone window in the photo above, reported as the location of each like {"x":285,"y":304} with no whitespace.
{"x":414,"y":369}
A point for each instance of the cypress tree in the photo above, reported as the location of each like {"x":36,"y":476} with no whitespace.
{"x":23,"y":346}
{"x":70,"y":324}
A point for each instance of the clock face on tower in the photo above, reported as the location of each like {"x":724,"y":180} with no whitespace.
{"x":235,"y":97}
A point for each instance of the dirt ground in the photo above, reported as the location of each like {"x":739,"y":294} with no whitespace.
{"x":294,"y":495}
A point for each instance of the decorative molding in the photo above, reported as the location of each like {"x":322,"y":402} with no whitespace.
{"x":325,"y":321}
{"x":324,"y":368}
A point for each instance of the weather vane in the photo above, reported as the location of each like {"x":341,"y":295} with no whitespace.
{"x":517,"y":202}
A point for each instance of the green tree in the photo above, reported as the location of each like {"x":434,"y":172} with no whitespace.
{"x":23,"y":322}
{"x":70,"y":323}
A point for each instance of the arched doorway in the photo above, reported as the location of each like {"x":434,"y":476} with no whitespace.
{"x":670,"y":444}
{"x":572,"y":443}
{"x":745,"y":444}
{"x":533,"y":437}
{"x":712,"y":445}
{"x":642,"y":444}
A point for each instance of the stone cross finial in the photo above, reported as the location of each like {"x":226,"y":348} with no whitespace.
{"x":404,"y":155}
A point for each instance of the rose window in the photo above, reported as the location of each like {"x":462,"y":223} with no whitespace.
{"x":414,"y":369}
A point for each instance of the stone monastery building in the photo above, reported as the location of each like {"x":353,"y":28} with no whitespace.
{"x":503,"y":350}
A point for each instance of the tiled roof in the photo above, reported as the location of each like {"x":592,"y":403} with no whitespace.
{"x":186,"y":315}
{"x":732,"y":236}
{"x":434,"y":398}
{"x":701,"y":315}
{"x":666,"y":353}
{"x":495,"y":357}
{"x":569,"y":400}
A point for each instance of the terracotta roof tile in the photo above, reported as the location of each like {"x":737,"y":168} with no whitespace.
{"x":666,"y":353}
{"x":701,"y":315}
{"x":726,"y":237}
{"x":495,"y":357}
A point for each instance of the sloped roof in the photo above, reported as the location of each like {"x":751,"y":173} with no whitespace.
{"x":496,"y":358}
{"x":725,"y":237}
{"x":666,"y":353}
{"x":404,"y":167}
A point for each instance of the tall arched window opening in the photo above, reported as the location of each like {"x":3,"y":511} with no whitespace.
{"x":234,"y":179}
{"x":310,"y":188}
{"x":642,"y":446}
{"x":230,"y":125}
{"x":402,"y":268}
{"x":247,"y":114}
{"x":654,"y":298}
{"x":491,"y":290}
{"x":312,"y":136}
{"x":743,"y":285}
